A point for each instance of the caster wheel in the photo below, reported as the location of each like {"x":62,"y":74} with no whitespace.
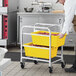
{"x":50,"y":70}
{"x":22,"y":65}
{"x":62,"y":64}
{"x":36,"y":62}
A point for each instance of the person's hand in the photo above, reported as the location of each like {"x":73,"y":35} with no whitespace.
{"x":61,"y":35}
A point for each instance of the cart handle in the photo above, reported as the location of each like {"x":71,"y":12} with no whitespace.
{"x":34,"y":27}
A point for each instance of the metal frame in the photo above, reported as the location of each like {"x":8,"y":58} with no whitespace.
{"x":44,"y":60}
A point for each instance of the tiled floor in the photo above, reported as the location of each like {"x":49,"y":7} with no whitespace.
{"x":41,"y":69}
{"x":31,"y":69}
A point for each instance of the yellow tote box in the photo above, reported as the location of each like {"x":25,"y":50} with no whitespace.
{"x":36,"y":51}
{"x":43,"y":40}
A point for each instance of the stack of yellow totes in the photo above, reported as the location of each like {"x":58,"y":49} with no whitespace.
{"x":39,"y":47}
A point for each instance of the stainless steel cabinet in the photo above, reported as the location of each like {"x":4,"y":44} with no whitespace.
{"x":50,"y":18}
{"x":24,"y":19}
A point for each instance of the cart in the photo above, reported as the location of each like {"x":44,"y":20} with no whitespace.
{"x":22,"y":60}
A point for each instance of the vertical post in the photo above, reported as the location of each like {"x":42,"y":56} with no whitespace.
{"x":50,"y":49}
{"x":18,"y":27}
{"x":61,"y":21}
{"x":21,"y":43}
{"x":61,"y":53}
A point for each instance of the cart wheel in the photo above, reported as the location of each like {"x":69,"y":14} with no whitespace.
{"x":63,"y":64}
{"x":36,"y":62}
{"x":50,"y":70}
{"x":22,"y":65}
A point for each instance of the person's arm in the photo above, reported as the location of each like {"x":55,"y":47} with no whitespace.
{"x":69,"y":15}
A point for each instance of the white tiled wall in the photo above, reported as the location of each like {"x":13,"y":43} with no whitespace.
{"x":27,"y":3}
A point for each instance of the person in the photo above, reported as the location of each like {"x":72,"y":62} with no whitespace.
{"x":70,"y":10}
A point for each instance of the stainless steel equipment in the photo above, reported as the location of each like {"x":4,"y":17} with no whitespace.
{"x":46,"y":7}
{"x":29,"y":9}
{"x":43,"y":6}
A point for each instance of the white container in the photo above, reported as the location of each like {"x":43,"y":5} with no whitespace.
{"x":2,"y":53}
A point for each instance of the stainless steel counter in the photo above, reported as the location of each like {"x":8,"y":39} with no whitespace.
{"x":39,"y":13}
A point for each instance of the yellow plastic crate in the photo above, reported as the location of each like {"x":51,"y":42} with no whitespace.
{"x":38,"y":52}
{"x":43,"y":40}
